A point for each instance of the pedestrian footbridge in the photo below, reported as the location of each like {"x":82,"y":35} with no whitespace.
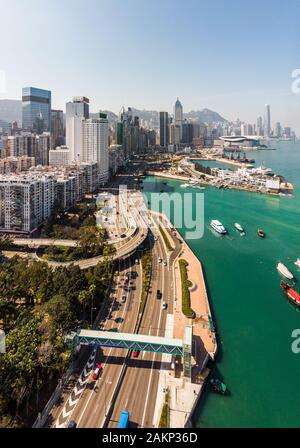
{"x":138,"y":342}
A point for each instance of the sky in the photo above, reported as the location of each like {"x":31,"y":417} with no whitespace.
{"x":231,"y":56}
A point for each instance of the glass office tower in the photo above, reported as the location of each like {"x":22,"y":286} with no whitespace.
{"x":36,"y":109}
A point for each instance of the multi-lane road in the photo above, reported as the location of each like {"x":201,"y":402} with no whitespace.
{"x":86,"y":400}
{"x":125,"y":382}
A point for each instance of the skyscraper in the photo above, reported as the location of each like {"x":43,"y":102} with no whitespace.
{"x":57,"y":127}
{"x":36,"y":109}
{"x":267,"y":121}
{"x":164,"y":128}
{"x":178,"y":116}
{"x":76,"y":112}
{"x":95,"y":144}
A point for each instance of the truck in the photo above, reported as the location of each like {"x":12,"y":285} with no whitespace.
{"x":123,"y":420}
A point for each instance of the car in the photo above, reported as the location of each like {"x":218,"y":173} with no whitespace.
{"x":164,"y":305}
{"x":159,"y":260}
{"x":155,"y":238}
{"x":165,"y":263}
{"x":72,"y":424}
{"x":97,"y":371}
{"x":135,"y":353}
{"x":123,"y":299}
{"x":158,"y":294}
{"x":136,"y":261}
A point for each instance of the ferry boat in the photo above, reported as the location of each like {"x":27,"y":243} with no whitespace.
{"x":218,"y":227}
{"x":297,"y":263}
{"x":284,"y":271}
{"x":261,"y":233}
{"x":218,"y":386}
{"x":239,"y":227}
{"x":291,"y":293}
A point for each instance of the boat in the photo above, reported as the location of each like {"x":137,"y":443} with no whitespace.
{"x":284,"y":271}
{"x":218,"y":386}
{"x":291,"y":293}
{"x":218,"y":227}
{"x":239,"y":227}
{"x":261,"y":233}
{"x":297,"y":263}
{"x":184,"y":185}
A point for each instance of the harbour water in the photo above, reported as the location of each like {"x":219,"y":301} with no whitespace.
{"x":253,"y":317}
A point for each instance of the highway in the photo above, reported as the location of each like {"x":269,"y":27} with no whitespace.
{"x":88,"y":407}
{"x":138,"y":392}
{"x":132,"y":382}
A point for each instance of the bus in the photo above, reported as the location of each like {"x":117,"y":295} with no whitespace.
{"x":123,"y":420}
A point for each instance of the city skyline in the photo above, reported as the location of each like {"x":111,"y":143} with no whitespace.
{"x":207,"y":40}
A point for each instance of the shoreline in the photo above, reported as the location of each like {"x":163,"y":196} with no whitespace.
{"x":203,"y":182}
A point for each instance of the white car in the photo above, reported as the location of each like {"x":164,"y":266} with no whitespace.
{"x":155,"y":238}
{"x":165,"y":263}
{"x":160,"y":260}
{"x":164,"y":305}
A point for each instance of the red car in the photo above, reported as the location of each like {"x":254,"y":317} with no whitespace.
{"x":97,"y":371}
{"x":135,"y":353}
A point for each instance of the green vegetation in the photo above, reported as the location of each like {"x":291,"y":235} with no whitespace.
{"x":164,"y":418}
{"x":166,"y":239}
{"x":38,"y":306}
{"x":186,"y":304}
{"x":91,"y":244}
{"x":68,"y":224}
{"x":147,"y":268}
{"x":5,"y":241}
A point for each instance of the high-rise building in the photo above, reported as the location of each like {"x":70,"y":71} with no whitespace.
{"x":178,"y":116}
{"x":59,"y":156}
{"x":95,"y":144}
{"x":267,"y":121}
{"x":76,"y":112}
{"x":25,"y":202}
{"x":277,"y":130}
{"x":164,"y":129}
{"x":57,"y":127}
{"x":36,"y":109}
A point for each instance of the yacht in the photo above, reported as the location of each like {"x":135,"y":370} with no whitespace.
{"x":218,"y":227}
{"x":239,"y":227}
{"x":284,"y":271}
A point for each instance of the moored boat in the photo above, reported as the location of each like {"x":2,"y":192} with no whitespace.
{"x":297,"y":263}
{"x":218,"y":227}
{"x":261,"y":233}
{"x":293,"y":295}
{"x":284,"y":271}
{"x":239,"y":227}
{"x":218,"y":386}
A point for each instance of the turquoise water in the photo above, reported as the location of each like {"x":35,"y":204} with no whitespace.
{"x":254,"y":319}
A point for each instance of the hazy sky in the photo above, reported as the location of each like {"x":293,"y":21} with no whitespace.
{"x":232,"y":56}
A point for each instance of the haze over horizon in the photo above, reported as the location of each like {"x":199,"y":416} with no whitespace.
{"x":210,"y":56}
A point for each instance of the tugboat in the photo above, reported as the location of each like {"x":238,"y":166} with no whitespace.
{"x":261,"y":233}
{"x":218,"y":386}
{"x":291,"y":293}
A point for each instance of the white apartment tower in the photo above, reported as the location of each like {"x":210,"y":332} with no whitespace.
{"x":76,"y":112}
{"x":95,"y":145}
